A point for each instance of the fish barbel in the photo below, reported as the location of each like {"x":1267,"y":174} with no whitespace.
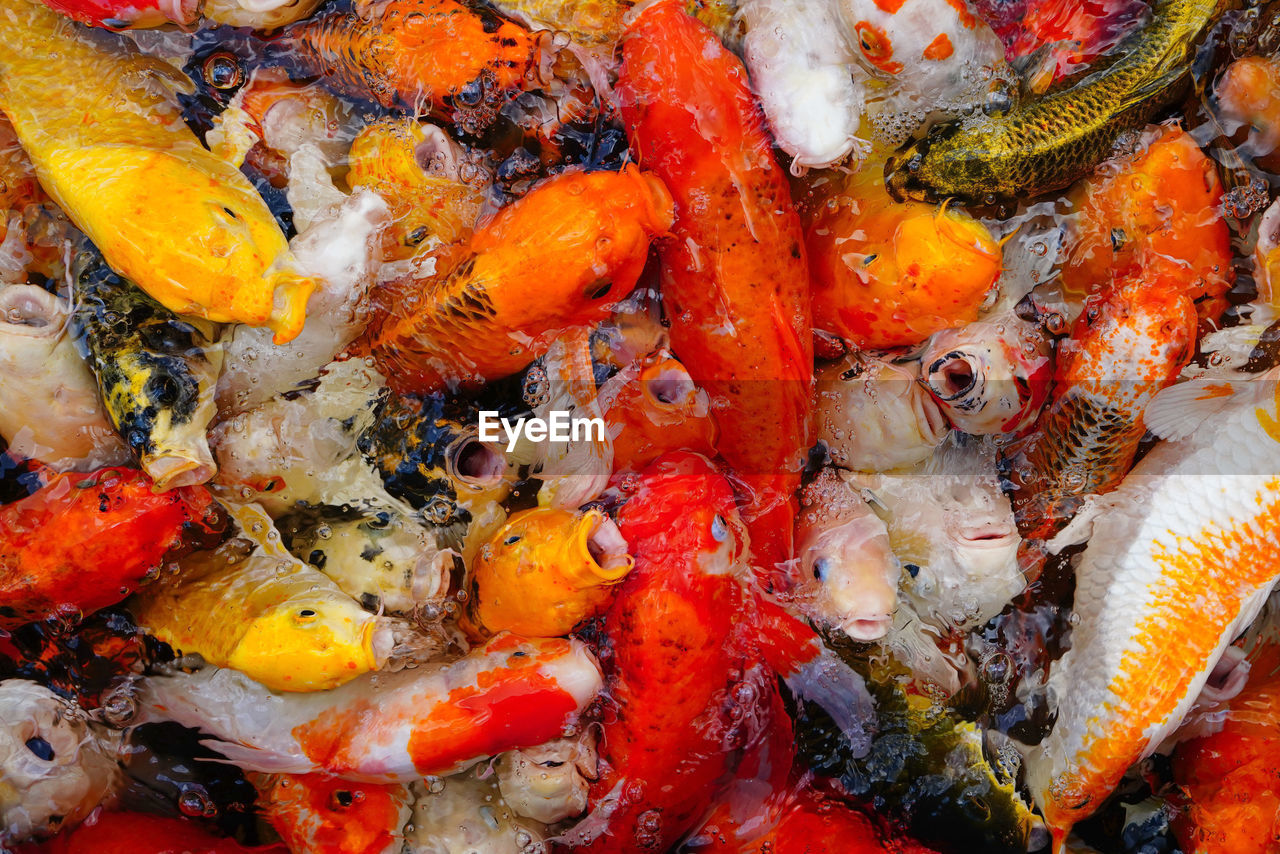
{"x":1181,"y":558}
{"x":1055,"y":140}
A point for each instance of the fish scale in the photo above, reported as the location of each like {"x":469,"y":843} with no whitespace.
{"x":1179,"y":561}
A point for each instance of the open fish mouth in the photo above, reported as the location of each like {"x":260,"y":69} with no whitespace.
{"x":474,"y":463}
{"x":866,"y":628}
{"x":606,"y":547}
{"x":989,"y":536}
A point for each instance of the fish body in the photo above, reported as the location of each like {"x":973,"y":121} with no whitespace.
{"x":405,"y":53}
{"x":1248,"y":96}
{"x":112,"y":530}
{"x":1049,"y":143}
{"x":54,"y":767}
{"x":1128,"y":345}
{"x":1060,"y":36}
{"x":156,"y":372}
{"x":1228,"y":776}
{"x":1161,"y":212}
{"x":890,"y":274}
{"x":268,"y":614}
{"x":545,"y":571}
{"x":49,"y":404}
{"x":1266,"y":255}
{"x":512,"y":692}
{"x":109,"y":145}
{"x":320,"y":814}
{"x":560,"y":256}
{"x":989,"y":377}
{"x":1188,"y":539}
{"x":117,"y":15}
{"x":734,"y":272}
{"x":145,"y":833}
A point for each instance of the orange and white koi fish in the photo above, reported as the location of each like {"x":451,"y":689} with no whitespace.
{"x":321,"y":814}
{"x":1181,"y":558}
{"x":395,"y":727}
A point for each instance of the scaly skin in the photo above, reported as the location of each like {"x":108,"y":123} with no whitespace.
{"x":735,"y":280}
{"x":109,"y":145}
{"x":85,"y":541}
{"x":1057,"y":139}
{"x":559,"y":257}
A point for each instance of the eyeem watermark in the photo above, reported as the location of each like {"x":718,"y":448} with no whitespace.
{"x":560,"y":427}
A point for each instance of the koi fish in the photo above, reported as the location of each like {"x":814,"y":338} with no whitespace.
{"x":402,"y":53}
{"x":125,"y":14}
{"x":267,"y":614}
{"x":465,"y":813}
{"x":545,"y":571}
{"x":989,"y":377}
{"x":418,"y":170}
{"x":113,"y":531}
{"x":156,"y":372}
{"x":681,"y":663}
{"x":873,"y":415}
{"x":144,"y":833}
{"x":1248,"y":95}
{"x":1228,"y":776}
{"x":549,"y":782}
{"x":1049,"y":143}
{"x":321,"y":814}
{"x":512,"y":692}
{"x":1188,"y":538}
{"x":1266,"y":256}
{"x":804,"y":74}
{"x":109,"y":145}
{"x":1161,"y":211}
{"x":380,"y":557}
{"x":734,"y":274}
{"x":582,"y":237}
{"x":49,"y":405}
{"x":890,"y":274}
{"x":653,"y":406}
{"x":55,"y":767}
{"x":1125,"y":348}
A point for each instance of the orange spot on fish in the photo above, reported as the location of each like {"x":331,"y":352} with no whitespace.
{"x":1212,"y":392}
{"x":877,"y":47}
{"x":962,"y":10}
{"x":939,"y":49}
{"x":889,"y":7}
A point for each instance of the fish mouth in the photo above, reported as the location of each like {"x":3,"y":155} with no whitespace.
{"x":605,"y":547}
{"x":931,"y":421}
{"x":866,"y":628}
{"x":953,"y":376}
{"x":30,"y":311}
{"x":378,"y":642}
{"x":988,"y":536}
{"x":474,"y":463}
{"x":667,"y":385}
{"x":171,"y":471}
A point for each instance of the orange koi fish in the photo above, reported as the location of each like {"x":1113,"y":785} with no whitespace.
{"x":735,"y":280}
{"x":1161,"y":211}
{"x":143,"y":833}
{"x":559,"y":257}
{"x":545,"y":571}
{"x":110,"y":530}
{"x":1126,"y":347}
{"x":320,"y":814}
{"x":1180,"y":558}
{"x":398,"y":727}
{"x":890,"y":274}
{"x":1229,"y":776}
{"x":1248,"y":97}
{"x":404,"y":53}
{"x":689,"y":642}
{"x":652,"y":407}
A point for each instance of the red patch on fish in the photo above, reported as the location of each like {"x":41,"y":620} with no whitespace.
{"x":877,"y":47}
{"x":939,"y":49}
{"x":889,"y":7}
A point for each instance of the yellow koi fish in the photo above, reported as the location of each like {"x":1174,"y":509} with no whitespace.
{"x":109,"y":145}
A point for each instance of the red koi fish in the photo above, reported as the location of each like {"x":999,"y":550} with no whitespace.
{"x":142,"y":833}
{"x":123,"y":14}
{"x":86,"y":541}
{"x":735,"y":278}
{"x":320,"y":814}
{"x":691,"y":650}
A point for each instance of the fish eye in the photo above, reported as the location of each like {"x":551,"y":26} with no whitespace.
{"x":911,"y":569}
{"x":342,"y":799}
{"x":512,"y":540}
{"x":223,"y":71}
{"x":306,"y":615}
{"x":469,"y":95}
{"x":598,"y":289}
{"x":719,"y":529}
{"x":821,"y":568}
{"x":41,"y":748}
{"x":379,"y":520}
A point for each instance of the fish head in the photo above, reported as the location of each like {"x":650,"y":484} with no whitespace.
{"x":549,"y":783}
{"x":657,"y":407}
{"x":312,"y":644}
{"x":989,"y":377}
{"x":53,"y":769}
{"x":849,"y":573}
{"x":316,"y":812}
{"x":872,"y":415}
